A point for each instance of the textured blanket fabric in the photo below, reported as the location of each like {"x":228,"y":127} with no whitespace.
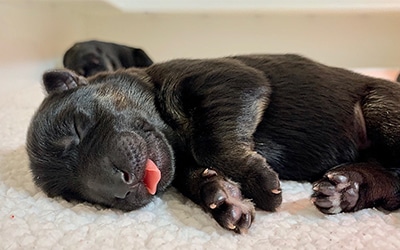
{"x":30,"y":220}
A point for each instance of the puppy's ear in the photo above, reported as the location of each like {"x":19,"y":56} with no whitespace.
{"x":140,"y":58}
{"x":60,"y":80}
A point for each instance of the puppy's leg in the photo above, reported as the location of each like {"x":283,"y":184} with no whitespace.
{"x":222,"y":139}
{"x":356,"y":186}
{"x":381,"y":110}
{"x":216,"y":111}
{"x":216,"y":194}
{"x":353,"y":187}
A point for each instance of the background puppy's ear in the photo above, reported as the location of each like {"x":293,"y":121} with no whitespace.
{"x":60,"y":80}
{"x":140,"y":58}
{"x":70,"y":56}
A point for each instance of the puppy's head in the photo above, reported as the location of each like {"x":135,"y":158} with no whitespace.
{"x":91,"y":57}
{"x":93,"y":142}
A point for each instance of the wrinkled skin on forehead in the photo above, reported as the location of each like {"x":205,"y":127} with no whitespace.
{"x":93,"y":144}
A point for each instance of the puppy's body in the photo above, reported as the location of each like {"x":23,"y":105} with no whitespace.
{"x":230,"y":125}
{"x":293,"y":99}
{"x":91,"y":57}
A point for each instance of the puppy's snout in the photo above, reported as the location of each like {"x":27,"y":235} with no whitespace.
{"x":128,"y":157}
{"x":132,"y":151}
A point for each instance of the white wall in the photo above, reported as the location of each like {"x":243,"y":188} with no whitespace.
{"x":37,"y":30}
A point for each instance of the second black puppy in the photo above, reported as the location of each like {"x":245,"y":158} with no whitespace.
{"x":91,"y":57}
{"x":222,"y":130}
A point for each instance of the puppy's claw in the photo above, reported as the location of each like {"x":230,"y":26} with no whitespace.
{"x":276,"y":191}
{"x":231,"y":226}
{"x":208,"y":173}
{"x":337,"y":178}
{"x":213,"y":206}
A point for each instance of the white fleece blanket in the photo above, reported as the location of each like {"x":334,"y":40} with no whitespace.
{"x":30,"y":220}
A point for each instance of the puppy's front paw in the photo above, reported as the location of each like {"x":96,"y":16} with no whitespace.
{"x":263,"y":187}
{"x":337,"y":192}
{"x":223,"y":199}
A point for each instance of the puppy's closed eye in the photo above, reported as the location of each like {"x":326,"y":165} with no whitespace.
{"x":82,"y":123}
{"x":79,"y":128}
{"x":76,"y":130}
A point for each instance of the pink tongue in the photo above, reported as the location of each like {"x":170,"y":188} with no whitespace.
{"x":152,"y":176}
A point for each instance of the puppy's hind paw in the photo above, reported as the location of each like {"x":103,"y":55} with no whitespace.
{"x":336,"y":193}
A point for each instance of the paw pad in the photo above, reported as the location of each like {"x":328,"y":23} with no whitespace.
{"x":223,"y":199}
{"x":335,"y":193}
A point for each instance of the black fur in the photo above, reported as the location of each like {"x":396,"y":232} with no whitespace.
{"x":222,"y":130}
{"x":91,"y":57}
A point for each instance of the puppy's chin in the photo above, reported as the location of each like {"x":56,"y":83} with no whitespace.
{"x":135,"y":199}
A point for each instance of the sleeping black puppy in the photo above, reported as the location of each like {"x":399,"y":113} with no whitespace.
{"x":222,"y":131}
{"x":91,"y":57}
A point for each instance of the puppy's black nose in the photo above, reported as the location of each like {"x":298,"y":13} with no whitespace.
{"x":127,"y":158}
{"x":121,"y":195}
{"x":122,"y":184}
{"x":126,"y":177}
